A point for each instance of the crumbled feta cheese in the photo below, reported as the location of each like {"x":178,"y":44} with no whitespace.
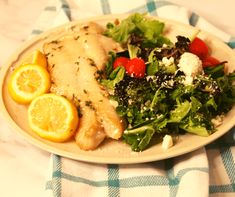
{"x":190,"y":64}
{"x":158,"y":49}
{"x":150,"y":77}
{"x":217,"y":121}
{"x":130,"y":101}
{"x":188,"y":80}
{"x":167,"y":142}
{"x":113,"y":103}
{"x":168,"y":62}
{"x":164,"y":45}
{"x":171,"y":82}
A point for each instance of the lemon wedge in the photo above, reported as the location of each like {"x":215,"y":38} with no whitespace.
{"x":27,"y":82}
{"x":35,"y":57}
{"x":53,"y":117}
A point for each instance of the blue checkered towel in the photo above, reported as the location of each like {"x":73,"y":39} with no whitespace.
{"x":207,"y":171}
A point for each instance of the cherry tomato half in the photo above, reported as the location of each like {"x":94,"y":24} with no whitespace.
{"x":210,"y":61}
{"x":199,"y":48}
{"x":136,"y":67}
{"x":120,"y":61}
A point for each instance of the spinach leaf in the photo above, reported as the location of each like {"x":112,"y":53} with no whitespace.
{"x":153,"y":63}
{"x":115,"y":77}
{"x":215,"y":71}
{"x":198,"y":130}
{"x":180,"y":112}
{"x":109,"y":64}
{"x":139,"y":137}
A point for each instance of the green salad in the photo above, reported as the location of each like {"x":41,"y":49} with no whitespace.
{"x":162,"y":87}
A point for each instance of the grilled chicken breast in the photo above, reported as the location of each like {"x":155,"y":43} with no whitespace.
{"x":73,"y":62}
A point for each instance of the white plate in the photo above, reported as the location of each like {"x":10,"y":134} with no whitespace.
{"x":110,"y":151}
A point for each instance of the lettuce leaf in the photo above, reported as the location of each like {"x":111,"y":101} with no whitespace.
{"x":149,"y":31}
{"x":115,"y":77}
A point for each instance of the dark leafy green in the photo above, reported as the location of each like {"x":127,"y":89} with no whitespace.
{"x":154,"y":106}
{"x":115,"y":77}
{"x":160,"y":103}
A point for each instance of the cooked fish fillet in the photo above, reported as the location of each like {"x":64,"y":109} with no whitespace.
{"x":91,"y":132}
{"x":73,"y":62}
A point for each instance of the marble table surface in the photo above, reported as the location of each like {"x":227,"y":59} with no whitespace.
{"x":17,"y":18}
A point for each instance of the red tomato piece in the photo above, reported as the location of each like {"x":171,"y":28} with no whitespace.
{"x":136,"y":67}
{"x":210,"y":61}
{"x":199,"y":48}
{"x":120,"y":61}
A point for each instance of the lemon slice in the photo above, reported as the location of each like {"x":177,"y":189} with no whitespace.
{"x":53,"y":117}
{"x":27,"y":82}
{"x":36,"y":57}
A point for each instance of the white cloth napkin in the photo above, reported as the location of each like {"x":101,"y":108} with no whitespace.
{"x":183,"y":176}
